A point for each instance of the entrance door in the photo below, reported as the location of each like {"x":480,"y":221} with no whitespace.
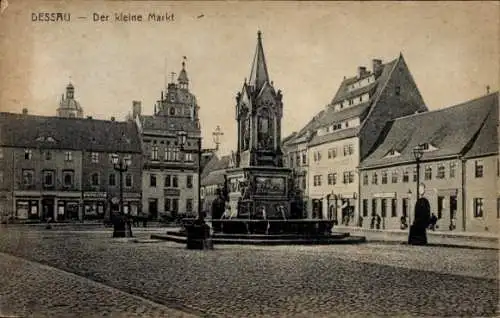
{"x":153,"y":209}
{"x":47,"y":209}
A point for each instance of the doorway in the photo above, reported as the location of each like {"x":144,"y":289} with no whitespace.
{"x":47,"y":209}
{"x":153,"y":209}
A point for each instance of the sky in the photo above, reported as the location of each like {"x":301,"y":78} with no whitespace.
{"x":451,"y":49}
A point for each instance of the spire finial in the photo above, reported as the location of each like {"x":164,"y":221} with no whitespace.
{"x":487,"y":89}
{"x":184,"y":59}
{"x":259,"y":35}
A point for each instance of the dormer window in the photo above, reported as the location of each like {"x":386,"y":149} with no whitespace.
{"x":428,"y":147}
{"x":392,"y":153}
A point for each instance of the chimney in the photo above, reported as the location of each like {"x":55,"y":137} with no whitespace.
{"x":361,"y":71}
{"x":377,"y":66}
{"x":136,"y":109}
{"x":25,"y":111}
{"x":112,"y":118}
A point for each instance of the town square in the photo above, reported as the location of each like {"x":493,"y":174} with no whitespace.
{"x":226,"y":164}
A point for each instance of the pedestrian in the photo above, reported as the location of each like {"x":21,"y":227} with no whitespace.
{"x":418,"y":234}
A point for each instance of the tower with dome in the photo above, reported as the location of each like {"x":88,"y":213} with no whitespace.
{"x":69,"y":106}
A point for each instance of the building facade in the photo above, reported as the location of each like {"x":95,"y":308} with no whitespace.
{"x":45,"y":166}
{"x":170,"y":177}
{"x":459,"y":169}
{"x":342,"y":134}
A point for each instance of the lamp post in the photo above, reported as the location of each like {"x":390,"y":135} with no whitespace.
{"x":418,"y":152}
{"x":200,"y":231}
{"x":121,"y":165}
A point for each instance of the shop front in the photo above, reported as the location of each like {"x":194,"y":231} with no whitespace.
{"x":27,"y":209}
{"x":94,"y":205}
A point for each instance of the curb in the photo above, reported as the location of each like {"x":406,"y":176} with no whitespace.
{"x":471,"y":247}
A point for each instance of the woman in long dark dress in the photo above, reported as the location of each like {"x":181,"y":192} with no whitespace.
{"x":418,"y":234}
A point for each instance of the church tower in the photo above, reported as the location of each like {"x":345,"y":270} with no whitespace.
{"x":68,"y":106}
{"x":259,"y":109}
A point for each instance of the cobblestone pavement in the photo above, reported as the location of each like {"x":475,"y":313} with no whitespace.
{"x":30,"y":289}
{"x":300,"y":281}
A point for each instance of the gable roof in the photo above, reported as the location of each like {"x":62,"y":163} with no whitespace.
{"x":31,"y":131}
{"x":451,"y":130}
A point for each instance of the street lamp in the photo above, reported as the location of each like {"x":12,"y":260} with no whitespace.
{"x":418,"y":152}
{"x":121,"y":165}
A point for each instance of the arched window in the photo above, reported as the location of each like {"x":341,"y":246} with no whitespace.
{"x":172,"y":111}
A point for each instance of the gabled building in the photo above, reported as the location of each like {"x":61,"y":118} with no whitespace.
{"x":170,"y":175}
{"x":59,"y":168}
{"x":340,"y":136}
{"x":459,"y":168}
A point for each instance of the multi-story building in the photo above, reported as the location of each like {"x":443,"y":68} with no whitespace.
{"x":47,"y":168}
{"x":459,"y":168}
{"x":341,"y":135}
{"x":213,"y":178}
{"x":170,"y":174}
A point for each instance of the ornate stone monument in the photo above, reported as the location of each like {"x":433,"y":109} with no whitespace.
{"x":258,"y":182}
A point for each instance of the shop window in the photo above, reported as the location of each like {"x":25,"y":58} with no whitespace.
{"x":478,"y":207}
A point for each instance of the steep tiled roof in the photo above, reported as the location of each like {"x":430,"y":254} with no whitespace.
{"x":215,"y":175}
{"x":332,"y":116}
{"x":450,"y":130}
{"x":17,"y":130}
{"x":486,"y":142}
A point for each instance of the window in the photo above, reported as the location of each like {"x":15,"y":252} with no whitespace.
{"x":68,"y":178}
{"x":152,"y":180}
{"x":172,"y":110}
{"x":365,"y":207}
{"x":394,"y":177}
{"x":177,"y":154}
{"x":317,"y":180}
{"x":167,"y":204}
{"x":414,"y":174}
{"x":478,"y":168}
{"x":478,"y":207}
{"x":440,"y":172}
{"x":48,"y":155}
{"x":405,"y":207}
{"x":331,"y":178}
{"x":348,"y":149}
{"x":28,"y":154}
{"x":168,"y":181}
{"x":374,"y":178}
{"x":351,"y":176}
{"x":1,"y":153}
{"x":394,"y":208}
{"x":28,"y":177}
{"x":428,"y":173}
{"x":94,"y":179}
{"x":128,"y":180}
{"x":154,"y":152}
{"x":383,"y":204}
{"x":175,"y":182}
{"x":68,"y":156}
{"x":304,"y":183}
{"x":95,"y":157}
{"x":304,"y":158}
{"x":189,"y":205}
{"x":365,"y":178}
{"x":453,"y":167}
{"x":291,"y":159}
{"x":188,"y":156}
{"x":406,"y":176}
{"x":189,"y":181}
{"x":374,"y":207}
{"x":346,"y":177}
{"x":498,"y":208}
{"x":112,"y":179}
{"x":398,"y":90}
{"x":297,"y":158}
{"x":384,"y":177}
{"x":48,"y":178}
